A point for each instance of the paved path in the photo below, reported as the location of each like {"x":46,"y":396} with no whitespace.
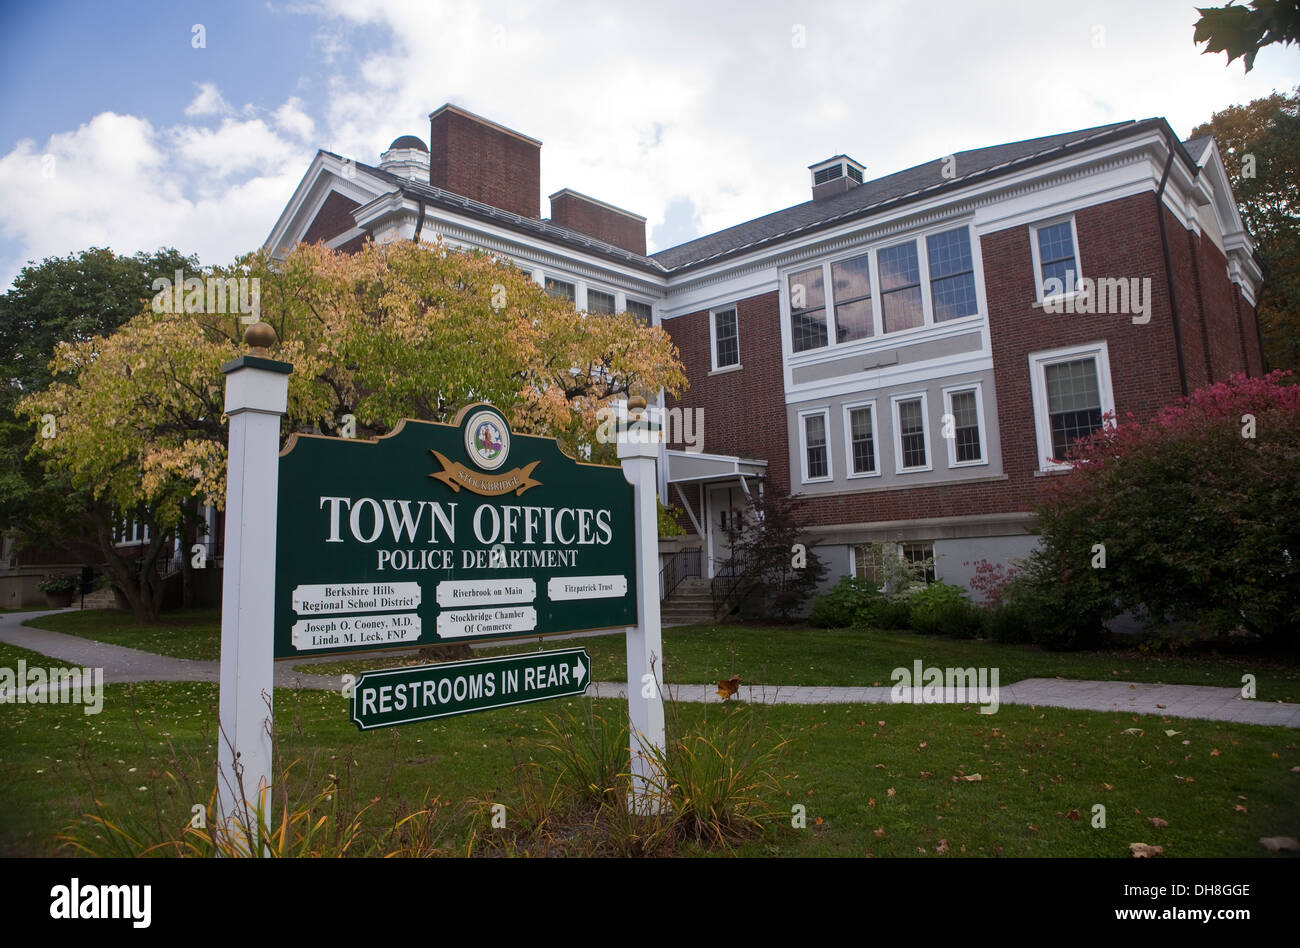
{"x":123,"y":664}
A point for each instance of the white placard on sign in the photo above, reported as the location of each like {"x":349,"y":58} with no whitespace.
{"x":463,"y":593}
{"x":586,"y":587}
{"x":494,"y":620}
{"x":342,"y":631}
{"x":340,"y":598}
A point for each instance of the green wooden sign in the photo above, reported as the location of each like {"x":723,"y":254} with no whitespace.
{"x":406,"y":695}
{"x":447,"y":533}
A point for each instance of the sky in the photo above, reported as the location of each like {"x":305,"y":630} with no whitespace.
{"x":139,"y":125}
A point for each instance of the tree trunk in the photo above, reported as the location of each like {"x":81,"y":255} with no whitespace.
{"x":141,"y":585}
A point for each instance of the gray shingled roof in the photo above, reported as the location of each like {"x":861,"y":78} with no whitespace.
{"x":870,"y":197}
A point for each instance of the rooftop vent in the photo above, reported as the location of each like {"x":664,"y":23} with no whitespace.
{"x":834,"y":176}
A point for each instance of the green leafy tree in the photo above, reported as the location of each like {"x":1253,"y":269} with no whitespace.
{"x":772,"y":561}
{"x":61,"y":299}
{"x":1260,"y":145}
{"x":1244,"y":31}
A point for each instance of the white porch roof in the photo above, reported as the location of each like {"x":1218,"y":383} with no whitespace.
{"x":689,"y":467}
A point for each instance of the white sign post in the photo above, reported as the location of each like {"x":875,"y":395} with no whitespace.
{"x":638,"y":452}
{"x":257,"y":391}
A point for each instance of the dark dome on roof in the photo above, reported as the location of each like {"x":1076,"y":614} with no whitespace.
{"x":408,"y":141}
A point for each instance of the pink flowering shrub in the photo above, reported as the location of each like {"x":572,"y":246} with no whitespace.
{"x":1193,"y":516}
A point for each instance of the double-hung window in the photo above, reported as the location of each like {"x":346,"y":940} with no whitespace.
{"x":814,"y":427}
{"x":807,"y":310}
{"x":1072,"y":395}
{"x":851,"y":280}
{"x":911,"y":438}
{"x":901,"y":306}
{"x":1056,"y":258}
{"x":724,"y":333}
{"x":963,"y":425}
{"x":952,"y":275}
{"x":860,"y":430}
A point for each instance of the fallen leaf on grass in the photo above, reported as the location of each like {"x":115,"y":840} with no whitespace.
{"x":1277,"y":844}
{"x":972,"y":777}
{"x":1145,"y":851}
{"x":880,"y":833}
{"x":1107,"y":786}
{"x":818,"y":821}
{"x":1240,"y":809}
{"x":890,"y":792}
{"x":1157,"y":822}
{"x":1214,"y":752}
{"x":1172,"y":733}
{"x":871,"y":801}
{"x":1072,"y":815}
{"x":1134,"y":730}
{"x":942,"y":847}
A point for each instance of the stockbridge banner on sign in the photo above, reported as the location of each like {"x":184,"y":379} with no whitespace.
{"x":447,"y":533}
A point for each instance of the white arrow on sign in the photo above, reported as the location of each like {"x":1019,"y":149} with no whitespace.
{"x":578,"y":671}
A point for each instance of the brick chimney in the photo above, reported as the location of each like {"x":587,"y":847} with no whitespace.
{"x":835,"y":176}
{"x":484,"y":161}
{"x":597,"y":219}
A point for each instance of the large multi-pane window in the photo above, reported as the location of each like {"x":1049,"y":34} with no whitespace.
{"x":807,"y":310}
{"x":1056,"y":259}
{"x":559,"y":289}
{"x":909,"y":417}
{"x":851,"y":280}
{"x":892,"y":289}
{"x":920,"y":556}
{"x":641,"y":311}
{"x":726,"y":339}
{"x":963,"y":408}
{"x":1073,"y":402}
{"x":817,"y":462}
{"x":952,"y":274}
{"x":901,"y":306}
{"x":601,"y":302}
{"x":862,"y":439}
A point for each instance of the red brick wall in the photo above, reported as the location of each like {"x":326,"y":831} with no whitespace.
{"x":1226,"y":341}
{"x":485,"y":163}
{"x":573,"y":212}
{"x":744,"y":411}
{"x":333,"y":218}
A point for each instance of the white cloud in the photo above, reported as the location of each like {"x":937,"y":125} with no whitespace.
{"x":695,"y":115}
{"x":208,"y":101}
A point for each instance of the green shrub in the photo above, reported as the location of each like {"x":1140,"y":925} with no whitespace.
{"x":848,"y":603}
{"x":943,"y":609}
{"x":890,"y":612}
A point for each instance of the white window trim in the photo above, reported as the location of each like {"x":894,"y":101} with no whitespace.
{"x":948,"y":392}
{"x":1038,"y":266}
{"x":713,"y":339}
{"x":849,"y":408}
{"x":919,"y":239}
{"x":803,"y":446}
{"x":898,"y":432}
{"x":1038,"y":362}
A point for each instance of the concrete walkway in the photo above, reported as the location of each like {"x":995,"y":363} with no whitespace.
{"x":123,"y":664}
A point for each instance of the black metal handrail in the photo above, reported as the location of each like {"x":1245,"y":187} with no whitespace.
{"x":727,"y":579}
{"x":684,"y":564}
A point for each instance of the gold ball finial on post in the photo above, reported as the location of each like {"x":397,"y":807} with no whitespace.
{"x":261,"y":336}
{"x":636,"y":403}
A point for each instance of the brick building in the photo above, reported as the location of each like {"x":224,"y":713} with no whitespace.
{"x":911,"y":353}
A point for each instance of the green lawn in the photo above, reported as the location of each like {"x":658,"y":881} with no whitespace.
{"x":184,"y":633}
{"x":776,"y":655}
{"x":875,"y":780}
{"x":800,"y":655}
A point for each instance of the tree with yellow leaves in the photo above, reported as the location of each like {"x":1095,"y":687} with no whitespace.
{"x":394,"y":331}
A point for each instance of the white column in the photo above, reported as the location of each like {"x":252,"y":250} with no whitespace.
{"x":638,"y":451}
{"x":257,"y":390}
